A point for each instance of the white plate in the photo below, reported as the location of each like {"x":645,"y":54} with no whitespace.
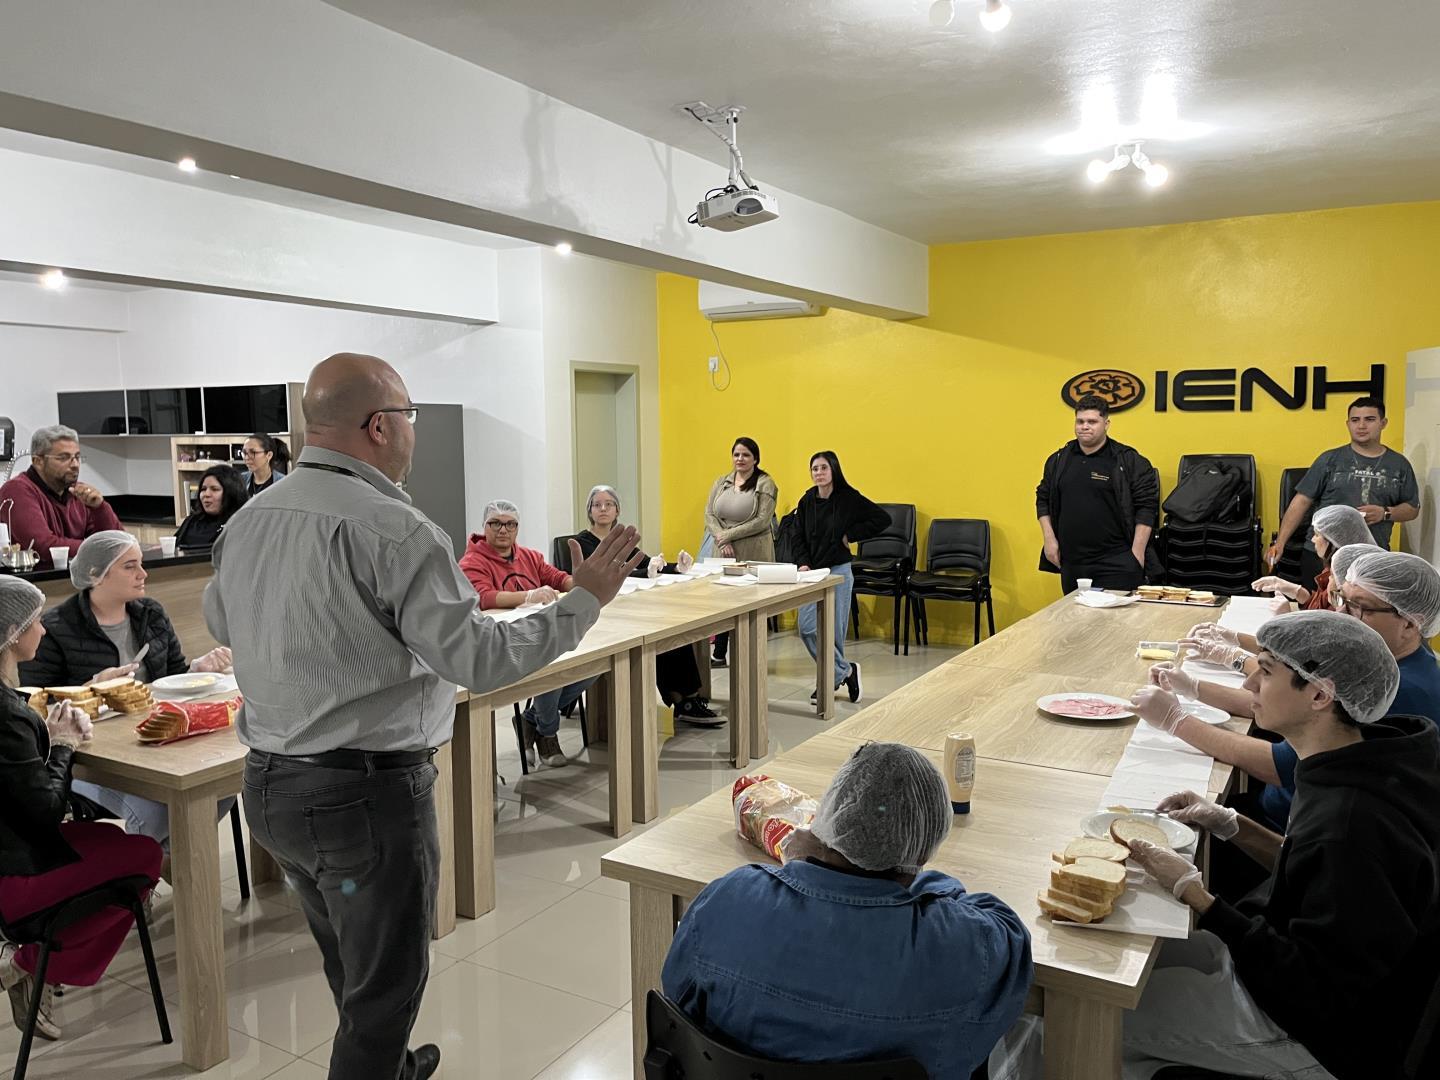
{"x":1096,"y":598}
{"x":192,"y":682}
{"x":1208,"y":713}
{"x":1048,"y":702}
{"x":1098,"y":826}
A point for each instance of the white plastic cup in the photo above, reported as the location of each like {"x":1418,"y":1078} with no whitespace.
{"x":1084,"y":583}
{"x":60,"y":557}
{"x":167,"y":546}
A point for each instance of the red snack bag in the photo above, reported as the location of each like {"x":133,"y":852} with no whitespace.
{"x":170,"y":721}
{"x":767,"y":811}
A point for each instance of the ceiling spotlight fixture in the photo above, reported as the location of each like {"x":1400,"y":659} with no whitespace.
{"x":1155,"y":173}
{"x":53,"y":279}
{"x":942,"y":12}
{"x":994,"y":16}
{"x":186,"y":164}
{"x":564,"y":248}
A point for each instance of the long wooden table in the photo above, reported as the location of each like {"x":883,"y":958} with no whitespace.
{"x":1037,"y":778}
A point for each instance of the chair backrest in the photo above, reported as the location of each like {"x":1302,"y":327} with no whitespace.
{"x":897,"y":541}
{"x":677,"y":1049}
{"x":958,"y":544}
{"x":560,"y":553}
{"x":1244,"y":462}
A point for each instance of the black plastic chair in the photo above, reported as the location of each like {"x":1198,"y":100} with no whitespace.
{"x":1222,"y":557}
{"x":560,"y":553}
{"x":957,"y":567}
{"x":883,"y":563}
{"x":41,"y":927}
{"x":83,"y":809}
{"x":678,"y":1050}
{"x":1289,"y":566}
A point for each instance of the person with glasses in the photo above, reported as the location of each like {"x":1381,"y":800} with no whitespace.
{"x":267,"y":460}
{"x":50,"y":506}
{"x":507,"y":575}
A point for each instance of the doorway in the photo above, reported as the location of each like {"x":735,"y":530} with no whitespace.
{"x":607,"y":437}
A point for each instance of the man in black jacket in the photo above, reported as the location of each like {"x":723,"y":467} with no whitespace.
{"x":1098,"y":502}
{"x":1325,"y":968}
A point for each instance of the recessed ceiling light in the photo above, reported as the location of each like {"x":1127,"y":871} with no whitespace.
{"x":53,"y":279}
{"x":941,"y":12}
{"x":995,"y":15}
{"x":564,"y":248}
{"x":186,"y":164}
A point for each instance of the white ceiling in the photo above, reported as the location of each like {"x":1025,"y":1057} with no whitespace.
{"x":939,"y":134}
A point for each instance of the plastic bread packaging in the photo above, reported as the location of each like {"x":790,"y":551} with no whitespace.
{"x":170,"y":721}
{"x":767,"y":811}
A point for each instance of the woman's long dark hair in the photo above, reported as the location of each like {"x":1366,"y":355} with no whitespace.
{"x":232,"y":490}
{"x":837,"y":474}
{"x":754,"y":448}
{"x":271,"y":445}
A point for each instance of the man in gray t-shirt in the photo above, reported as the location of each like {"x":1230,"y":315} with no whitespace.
{"x":1377,"y":481}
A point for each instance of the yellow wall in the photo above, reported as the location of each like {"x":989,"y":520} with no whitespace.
{"x":957,"y":412}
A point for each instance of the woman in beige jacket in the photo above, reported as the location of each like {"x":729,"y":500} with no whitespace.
{"x":738,"y":517}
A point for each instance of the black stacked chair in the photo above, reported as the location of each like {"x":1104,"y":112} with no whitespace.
{"x":883,"y":563}
{"x":1289,"y":566}
{"x":41,"y":927}
{"x":957,"y":567}
{"x":1224,"y":558}
{"x":678,"y":1050}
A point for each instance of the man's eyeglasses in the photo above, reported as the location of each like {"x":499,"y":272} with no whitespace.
{"x":410,"y":412}
{"x":66,"y":459}
{"x":1350,"y":607}
{"x":502,"y":526}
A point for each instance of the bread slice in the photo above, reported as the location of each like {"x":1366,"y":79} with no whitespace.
{"x":1099,"y":907}
{"x":1095,"y":877}
{"x":1076,"y":886}
{"x":70,"y":693}
{"x":1058,"y":908}
{"x":1088,"y":847}
{"x":109,"y":686}
{"x":1125,"y":829}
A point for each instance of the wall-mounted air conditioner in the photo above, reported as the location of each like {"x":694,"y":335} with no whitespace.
{"x":723,"y":303}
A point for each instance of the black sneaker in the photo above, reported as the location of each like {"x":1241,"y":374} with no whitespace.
{"x":696,"y":710}
{"x":716,"y":660}
{"x":852,"y":681}
{"x":529,"y":736}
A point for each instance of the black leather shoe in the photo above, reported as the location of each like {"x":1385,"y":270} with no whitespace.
{"x":427,"y":1060}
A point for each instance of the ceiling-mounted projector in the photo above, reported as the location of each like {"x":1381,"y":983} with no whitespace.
{"x":739,"y":204}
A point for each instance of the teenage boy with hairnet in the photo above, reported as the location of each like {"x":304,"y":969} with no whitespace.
{"x":1324,"y":969}
{"x":861,"y":954}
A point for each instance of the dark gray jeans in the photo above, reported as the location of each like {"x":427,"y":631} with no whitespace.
{"x":361,"y":849}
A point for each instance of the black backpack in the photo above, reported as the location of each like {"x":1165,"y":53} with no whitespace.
{"x":1212,"y":493}
{"x":786,"y":536}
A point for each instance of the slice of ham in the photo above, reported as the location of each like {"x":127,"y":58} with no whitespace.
{"x":1083,"y":708}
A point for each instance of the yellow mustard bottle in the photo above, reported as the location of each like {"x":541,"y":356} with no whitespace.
{"x":960,"y":770}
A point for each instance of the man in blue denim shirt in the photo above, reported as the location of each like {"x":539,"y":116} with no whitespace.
{"x":859,"y":954}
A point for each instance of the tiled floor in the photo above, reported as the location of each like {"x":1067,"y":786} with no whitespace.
{"x":538,"y":988}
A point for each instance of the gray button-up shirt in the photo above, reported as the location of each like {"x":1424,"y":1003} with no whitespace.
{"x":347,"y":614}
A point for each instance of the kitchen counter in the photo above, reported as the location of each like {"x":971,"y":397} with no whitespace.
{"x":154,"y":562}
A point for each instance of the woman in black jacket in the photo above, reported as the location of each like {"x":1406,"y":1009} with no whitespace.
{"x":831,"y":516}
{"x":222,"y":492}
{"x":44,"y":859}
{"x":677,"y":676}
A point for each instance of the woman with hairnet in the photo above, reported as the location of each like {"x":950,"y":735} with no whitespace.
{"x":865,"y":955}
{"x":1334,"y":527}
{"x":1326,"y":968}
{"x":100,"y":633}
{"x":1396,"y":594}
{"x":45,"y":859}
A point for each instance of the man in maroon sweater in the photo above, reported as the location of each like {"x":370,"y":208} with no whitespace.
{"x":52,"y":507}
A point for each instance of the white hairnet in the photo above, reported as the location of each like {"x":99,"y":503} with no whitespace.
{"x":1341,"y":525}
{"x":500,"y":506}
{"x":20,"y":605}
{"x":596,"y":490}
{"x":1406,"y":582}
{"x":886,"y":809}
{"x":98,"y":553}
{"x":1341,"y":655}
{"x":1342,"y":559}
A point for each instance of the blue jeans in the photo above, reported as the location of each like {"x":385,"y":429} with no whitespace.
{"x":142,"y":816}
{"x":809,"y":620}
{"x":544,"y":710}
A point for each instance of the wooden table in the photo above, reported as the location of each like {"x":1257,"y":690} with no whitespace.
{"x":1037,"y":778}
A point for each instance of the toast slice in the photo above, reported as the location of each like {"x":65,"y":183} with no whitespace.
{"x":1125,"y":829}
{"x":1077,"y":886}
{"x":1060,"y":909}
{"x":1097,"y":908}
{"x":71,"y":693}
{"x":1084,"y":847}
{"x":1094,"y":877}
{"x":110,"y":686}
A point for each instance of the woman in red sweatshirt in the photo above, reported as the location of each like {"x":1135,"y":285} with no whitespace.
{"x":507,"y":575}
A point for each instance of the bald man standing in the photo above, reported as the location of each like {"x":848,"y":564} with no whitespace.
{"x":349,"y":620}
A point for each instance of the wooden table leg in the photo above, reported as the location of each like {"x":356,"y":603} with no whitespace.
{"x":623,"y":738}
{"x":597,"y":710}
{"x":1082,"y":1037}
{"x":199,"y":939}
{"x":445,"y":824}
{"x":759,"y":664}
{"x":644,"y":735}
{"x":471,"y":754}
{"x":261,"y":863}
{"x":742,"y":680}
{"x":825,"y":657}
{"x":652,"y":929}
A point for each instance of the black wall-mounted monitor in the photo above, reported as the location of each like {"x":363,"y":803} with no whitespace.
{"x":93,"y":412}
{"x":240,"y":410}
{"x":174,"y":411}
